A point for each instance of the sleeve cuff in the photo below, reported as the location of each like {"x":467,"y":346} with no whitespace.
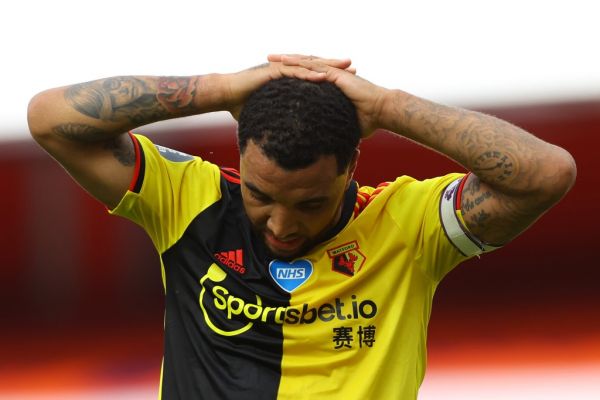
{"x":453,"y":224}
{"x":140,"y":165}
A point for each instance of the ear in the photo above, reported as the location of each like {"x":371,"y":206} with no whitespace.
{"x":352,"y":167}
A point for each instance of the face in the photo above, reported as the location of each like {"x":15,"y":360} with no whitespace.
{"x":123,"y":91}
{"x":291,"y":209}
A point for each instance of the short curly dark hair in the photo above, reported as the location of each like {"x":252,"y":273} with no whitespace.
{"x":295,"y":122}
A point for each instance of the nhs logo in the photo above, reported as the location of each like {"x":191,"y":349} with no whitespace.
{"x":290,"y":273}
{"x":290,"y":276}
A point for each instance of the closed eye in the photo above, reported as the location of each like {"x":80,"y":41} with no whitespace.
{"x":311,"y":206}
{"x":260,"y":197}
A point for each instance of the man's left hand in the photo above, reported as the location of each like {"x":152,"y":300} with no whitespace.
{"x":369,"y":99}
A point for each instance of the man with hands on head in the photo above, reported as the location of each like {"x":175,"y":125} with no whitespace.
{"x":288,"y":279}
{"x":517,"y":176}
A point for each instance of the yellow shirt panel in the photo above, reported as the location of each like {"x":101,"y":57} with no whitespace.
{"x":176,"y":188}
{"x":364,"y":336}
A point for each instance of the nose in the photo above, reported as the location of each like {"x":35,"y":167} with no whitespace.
{"x":282,"y":223}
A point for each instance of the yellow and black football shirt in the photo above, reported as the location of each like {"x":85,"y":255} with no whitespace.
{"x":346,"y":321}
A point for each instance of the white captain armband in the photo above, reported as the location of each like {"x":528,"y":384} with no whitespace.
{"x":453,"y":224}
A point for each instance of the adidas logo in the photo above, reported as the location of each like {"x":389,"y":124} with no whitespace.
{"x":232,"y":259}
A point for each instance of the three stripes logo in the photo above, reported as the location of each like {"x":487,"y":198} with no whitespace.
{"x":232,"y":259}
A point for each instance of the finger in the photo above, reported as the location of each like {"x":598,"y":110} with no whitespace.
{"x":274,"y":57}
{"x":322,"y":65}
{"x":316,"y":65}
{"x":313,"y":65}
{"x":352,"y":70}
{"x":303,"y":73}
{"x":278,"y":57}
{"x":306,"y":61}
{"x":288,"y":59}
{"x":315,"y":76}
{"x":341,"y":63}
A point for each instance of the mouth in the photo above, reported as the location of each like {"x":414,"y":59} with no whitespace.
{"x":283,"y":246}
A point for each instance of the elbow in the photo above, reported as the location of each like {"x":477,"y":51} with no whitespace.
{"x":37,"y":118}
{"x":33,"y":116}
{"x":561,"y":173}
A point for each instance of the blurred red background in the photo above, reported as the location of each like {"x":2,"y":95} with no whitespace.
{"x":82,"y":295}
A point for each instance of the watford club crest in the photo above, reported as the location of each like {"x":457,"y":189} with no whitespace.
{"x":347,"y":258}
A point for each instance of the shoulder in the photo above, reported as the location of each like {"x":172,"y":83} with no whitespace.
{"x":407,"y":191}
{"x":174,"y":167}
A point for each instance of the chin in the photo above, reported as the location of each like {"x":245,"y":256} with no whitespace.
{"x":292,"y":254}
{"x":284,"y":256}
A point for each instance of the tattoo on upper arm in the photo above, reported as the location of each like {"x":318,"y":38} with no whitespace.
{"x":473,"y":196}
{"x":122,"y":149}
{"x":469,"y":203}
{"x":479,"y":219}
{"x":120,"y":146}
{"x":473,"y":200}
{"x":133,"y":99}
{"x":491,"y":216}
{"x":80,"y":132}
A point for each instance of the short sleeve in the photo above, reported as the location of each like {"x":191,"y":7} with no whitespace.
{"x":428,"y":220}
{"x":168,"y":190}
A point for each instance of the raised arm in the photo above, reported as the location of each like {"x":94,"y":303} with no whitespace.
{"x":84,"y":126}
{"x":516,"y":176}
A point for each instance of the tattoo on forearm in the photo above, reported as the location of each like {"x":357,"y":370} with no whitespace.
{"x":509,"y":186}
{"x":80,"y":132}
{"x":137,"y":100}
{"x":486,"y":145}
{"x":494,"y":163}
{"x":490,"y":147}
{"x":112,"y":98}
{"x":176,"y":93}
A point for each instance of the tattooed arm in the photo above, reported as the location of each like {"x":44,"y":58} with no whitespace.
{"x":84,"y":126}
{"x":515,"y":176}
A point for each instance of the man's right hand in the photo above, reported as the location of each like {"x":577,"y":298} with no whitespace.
{"x":84,"y":126}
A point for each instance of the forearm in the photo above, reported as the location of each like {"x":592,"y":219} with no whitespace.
{"x":502,"y":155}
{"x":102,"y":109}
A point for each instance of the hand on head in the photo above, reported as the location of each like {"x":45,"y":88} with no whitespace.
{"x":367,"y":97}
{"x":313,"y":63}
{"x":242,"y":84}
